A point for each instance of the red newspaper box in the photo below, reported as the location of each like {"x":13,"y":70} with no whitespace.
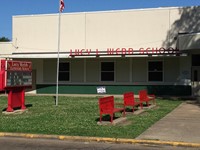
{"x":15,"y":77}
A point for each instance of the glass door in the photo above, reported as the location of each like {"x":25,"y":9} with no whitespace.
{"x":196,"y":81}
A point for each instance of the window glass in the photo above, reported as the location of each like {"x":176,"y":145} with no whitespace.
{"x":63,"y":66}
{"x":64,"y":71}
{"x":155,"y":66}
{"x":155,"y":71}
{"x":195,"y":60}
{"x":107,"y":71}
{"x":107,"y":66}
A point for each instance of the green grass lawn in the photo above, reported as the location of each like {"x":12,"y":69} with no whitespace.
{"x":77,"y":116}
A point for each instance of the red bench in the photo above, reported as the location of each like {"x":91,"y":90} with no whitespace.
{"x":144,"y":97}
{"x":129,"y":100}
{"x":106,"y":106}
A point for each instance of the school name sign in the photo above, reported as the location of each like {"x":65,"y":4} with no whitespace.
{"x":124,"y":51}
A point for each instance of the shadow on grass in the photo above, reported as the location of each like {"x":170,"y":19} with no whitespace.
{"x":129,"y":110}
{"x":188,"y":99}
{"x":106,"y":118}
{"x":18,"y":108}
{"x":193,"y":103}
{"x":176,"y":98}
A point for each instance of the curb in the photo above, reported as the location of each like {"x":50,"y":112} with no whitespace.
{"x":100,"y":139}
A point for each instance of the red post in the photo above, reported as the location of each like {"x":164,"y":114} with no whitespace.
{"x":9,"y":108}
{"x":23,"y":107}
{"x":16,"y":98}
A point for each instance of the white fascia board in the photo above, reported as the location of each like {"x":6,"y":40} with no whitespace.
{"x":38,"y":56}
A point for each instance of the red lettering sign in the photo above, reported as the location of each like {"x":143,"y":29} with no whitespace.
{"x":18,"y":66}
{"x":124,"y":51}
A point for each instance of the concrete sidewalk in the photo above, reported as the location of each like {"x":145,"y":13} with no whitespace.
{"x":181,"y":125}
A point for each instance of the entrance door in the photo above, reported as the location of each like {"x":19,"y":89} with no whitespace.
{"x":196,"y":75}
{"x":196,"y":81}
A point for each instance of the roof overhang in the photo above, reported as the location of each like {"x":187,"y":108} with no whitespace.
{"x":38,"y":55}
{"x":189,"y":41}
{"x":101,"y":54}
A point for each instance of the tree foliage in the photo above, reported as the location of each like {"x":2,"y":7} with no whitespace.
{"x":188,"y":22}
{"x":4,"y":39}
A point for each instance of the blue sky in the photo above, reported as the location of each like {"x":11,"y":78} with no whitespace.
{"x":9,"y":8}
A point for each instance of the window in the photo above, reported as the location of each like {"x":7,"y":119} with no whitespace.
{"x":195,"y":75}
{"x":107,"y":71}
{"x":64,"y":71}
{"x":195,"y":60}
{"x":155,"y":71}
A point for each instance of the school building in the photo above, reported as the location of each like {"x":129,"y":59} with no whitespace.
{"x":156,"y":49}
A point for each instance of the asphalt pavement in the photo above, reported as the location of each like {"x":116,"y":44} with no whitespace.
{"x":9,"y":143}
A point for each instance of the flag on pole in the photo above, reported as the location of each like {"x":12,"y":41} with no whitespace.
{"x":62,"y":5}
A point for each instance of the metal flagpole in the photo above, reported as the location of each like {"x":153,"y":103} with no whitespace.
{"x":58,"y":56}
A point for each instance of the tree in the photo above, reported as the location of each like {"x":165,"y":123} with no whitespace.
{"x":188,"y":22}
{"x":4,"y":39}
